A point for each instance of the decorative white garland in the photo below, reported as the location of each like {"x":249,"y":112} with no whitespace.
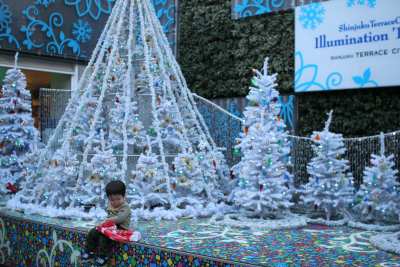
{"x":290,"y":136}
{"x":99,"y":106}
{"x":201,"y":127}
{"x":127,"y":93}
{"x":218,"y":107}
{"x":168,"y":89}
{"x":89,"y":93}
{"x":100,"y":45}
{"x":153,"y":101}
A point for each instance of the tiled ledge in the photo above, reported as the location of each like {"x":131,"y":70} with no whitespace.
{"x":27,"y":241}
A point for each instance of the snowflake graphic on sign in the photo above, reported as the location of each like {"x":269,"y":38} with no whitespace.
{"x":45,"y":3}
{"x":82,"y":31}
{"x":312,"y":15}
{"x":369,"y":3}
{"x":5,"y":16}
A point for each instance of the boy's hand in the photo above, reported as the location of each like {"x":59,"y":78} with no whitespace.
{"x":107,"y":223}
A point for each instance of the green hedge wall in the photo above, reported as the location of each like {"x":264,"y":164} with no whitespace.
{"x":217,"y":53}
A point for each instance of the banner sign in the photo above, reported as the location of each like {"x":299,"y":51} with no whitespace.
{"x":346,"y":44}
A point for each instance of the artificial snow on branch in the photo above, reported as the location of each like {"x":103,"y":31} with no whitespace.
{"x":262,"y":189}
{"x":330,"y":186}
{"x":18,"y":135}
{"x":377,"y":200}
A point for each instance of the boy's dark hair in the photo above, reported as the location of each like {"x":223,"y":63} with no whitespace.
{"x":115,"y":188}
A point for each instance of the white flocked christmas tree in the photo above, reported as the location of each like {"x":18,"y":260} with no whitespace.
{"x":18,"y":136}
{"x":132,"y":103}
{"x":262,"y":189}
{"x":378,"y":198}
{"x":330,"y":187}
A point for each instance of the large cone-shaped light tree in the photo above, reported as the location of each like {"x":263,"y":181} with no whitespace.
{"x":133,"y":95}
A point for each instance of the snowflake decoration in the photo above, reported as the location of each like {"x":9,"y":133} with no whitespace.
{"x":312,"y":15}
{"x":82,"y":31}
{"x":5,"y":16}
{"x":45,"y":3}
{"x":369,"y":3}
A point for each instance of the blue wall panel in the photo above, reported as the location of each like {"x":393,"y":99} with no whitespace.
{"x":64,"y":28}
{"x":248,"y":8}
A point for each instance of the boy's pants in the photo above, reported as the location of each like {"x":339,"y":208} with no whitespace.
{"x":96,"y":240}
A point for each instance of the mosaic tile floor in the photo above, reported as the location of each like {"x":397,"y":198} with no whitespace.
{"x":313,"y":245}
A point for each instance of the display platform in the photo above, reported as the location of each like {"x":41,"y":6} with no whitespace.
{"x":31,"y":240}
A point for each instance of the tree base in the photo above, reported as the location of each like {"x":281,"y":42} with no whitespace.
{"x":339,"y":222}
{"x":162,"y":213}
{"x":374,"y":227}
{"x":241,"y":221}
{"x":388,"y":242}
{"x":53,"y":212}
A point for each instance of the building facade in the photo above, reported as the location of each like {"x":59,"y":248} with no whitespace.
{"x":55,"y":39}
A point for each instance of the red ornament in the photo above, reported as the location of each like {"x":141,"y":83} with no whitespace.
{"x":246,"y":130}
{"x":158,"y":100}
{"x":317,"y":137}
{"x":12,"y":188}
{"x":173,"y":185}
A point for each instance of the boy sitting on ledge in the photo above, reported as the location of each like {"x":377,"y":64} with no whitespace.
{"x":119,"y":214}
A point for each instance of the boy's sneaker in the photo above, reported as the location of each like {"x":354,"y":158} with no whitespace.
{"x":87,"y":255}
{"x":101,"y":260}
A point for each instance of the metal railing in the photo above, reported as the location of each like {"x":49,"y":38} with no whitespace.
{"x":225,"y":125}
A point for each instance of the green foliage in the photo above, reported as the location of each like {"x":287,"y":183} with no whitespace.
{"x":217,"y":54}
{"x":357,"y":112}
